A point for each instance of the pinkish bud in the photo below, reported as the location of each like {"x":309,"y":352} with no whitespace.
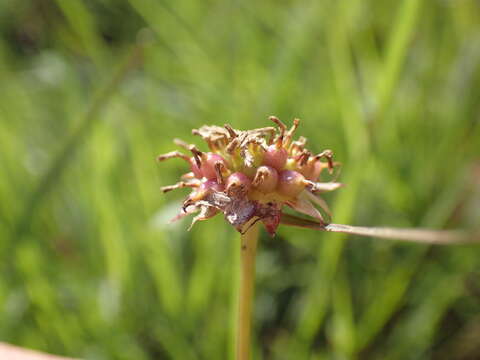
{"x":208,"y":165}
{"x":275,"y":157}
{"x":211,"y":185}
{"x":193,"y":161}
{"x":195,"y":169}
{"x":205,"y":188}
{"x":317,"y":168}
{"x":312,"y":170}
{"x":238,"y":181}
{"x":266,"y":179}
{"x":290,"y":183}
{"x":271,"y":223}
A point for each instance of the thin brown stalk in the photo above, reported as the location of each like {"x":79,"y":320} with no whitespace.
{"x":426,"y":236}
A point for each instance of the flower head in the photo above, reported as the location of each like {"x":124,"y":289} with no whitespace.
{"x":250,"y":175}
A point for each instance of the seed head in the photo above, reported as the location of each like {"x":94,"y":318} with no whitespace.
{"x":250,"y":175}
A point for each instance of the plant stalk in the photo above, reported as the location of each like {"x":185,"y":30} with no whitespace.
{"x":426,"y":236}
{"x":248,"y":250}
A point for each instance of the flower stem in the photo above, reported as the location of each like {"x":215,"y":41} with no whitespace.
{"x":248,"y":250}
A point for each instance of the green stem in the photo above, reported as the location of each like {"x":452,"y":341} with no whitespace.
{"x":248,"y":251}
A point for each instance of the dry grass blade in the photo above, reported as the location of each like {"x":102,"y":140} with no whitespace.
{"x":426,"y":236}
{"x":414,"y":235}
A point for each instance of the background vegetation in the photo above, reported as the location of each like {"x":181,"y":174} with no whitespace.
{"x":88,"y":266}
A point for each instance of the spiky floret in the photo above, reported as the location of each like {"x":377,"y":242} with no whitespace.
{"x":249,"y":175}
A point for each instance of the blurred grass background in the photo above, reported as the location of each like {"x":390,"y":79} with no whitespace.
{"x":89,"y":267}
